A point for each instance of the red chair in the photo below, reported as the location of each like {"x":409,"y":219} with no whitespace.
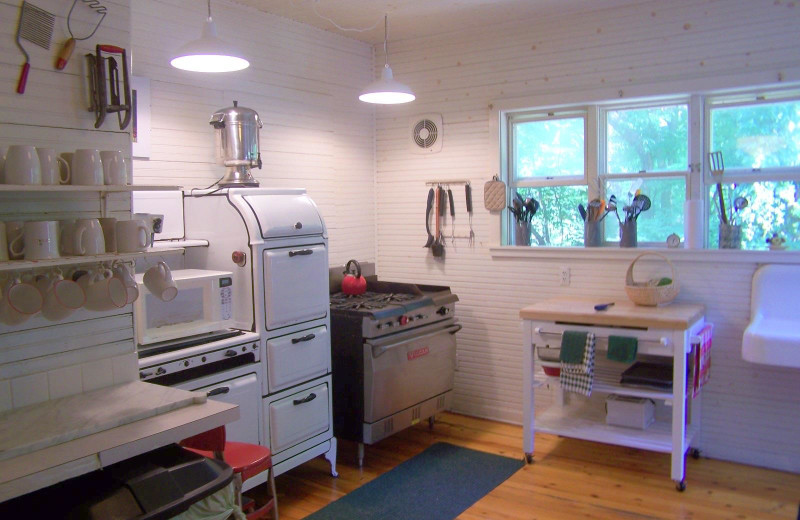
{"x":247,"y":460}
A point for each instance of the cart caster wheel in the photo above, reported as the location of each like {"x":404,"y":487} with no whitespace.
{"x":529,"y":458}
{"x":695,"y":453}
{"x":681,"y":486}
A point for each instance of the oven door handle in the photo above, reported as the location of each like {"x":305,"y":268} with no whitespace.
{"x":301,"y":252}
{"x":310,"y":397}
{"x":379,"y":349}
{"x":218,"y":391}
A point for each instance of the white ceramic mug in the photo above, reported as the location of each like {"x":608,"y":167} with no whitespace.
{"x":114,"y":171}
{"x":67,"y":156}
{"x":3,"y":243}
{"x":13,"y":230}
{"x":20,"y":301}
{"x":125,"y":275}
{"x":22,"y":165}
{"x":62,"y":296}
{"x":132,"y":236}
{"x":109,"y":233}
{"x":52,"y":171}
{"x":158,"y":280}
{"x":87,"y":237}
{"x":104,"y":292}
{"x":38,"y":241}
{"x":87,"y":168}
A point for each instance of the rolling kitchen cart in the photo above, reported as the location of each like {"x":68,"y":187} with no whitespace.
{"x":661,"y":332}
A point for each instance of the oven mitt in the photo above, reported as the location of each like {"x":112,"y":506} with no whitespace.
{"x":622,"y":348}
{"x":494,"y":194}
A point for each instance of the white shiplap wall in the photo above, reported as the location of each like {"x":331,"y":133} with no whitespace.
{"x":41,"y":360}
{"x":302,"y":81}
{"x":751,"y":413}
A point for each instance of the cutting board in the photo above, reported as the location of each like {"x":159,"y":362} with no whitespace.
{"x":38,"y":426}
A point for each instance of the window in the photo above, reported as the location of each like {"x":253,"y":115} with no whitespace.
{"x":759,"y":139}
{"x":647,"y":151}
{"x":564,"y":158}
{"x":548,"y":163}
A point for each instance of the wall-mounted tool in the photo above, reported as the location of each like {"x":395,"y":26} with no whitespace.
{"x":105,"y":89}
{"x":69,"y":45}
{"x":36,"y":26}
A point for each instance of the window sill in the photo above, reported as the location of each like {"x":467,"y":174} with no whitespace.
{"x":677,"y":254}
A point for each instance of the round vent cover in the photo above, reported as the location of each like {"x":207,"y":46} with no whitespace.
{"x":425,"y":133}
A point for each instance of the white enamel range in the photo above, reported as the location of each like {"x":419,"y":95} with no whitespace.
{"x":275,"y":243}
{"x":394,"y":358}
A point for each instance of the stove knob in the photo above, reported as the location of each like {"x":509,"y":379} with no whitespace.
{"x":144,"y":374}
{"x":402,"y":320}
{"x":420,"y":316}
{"x":442,"y":311}
{"x":389,"y":324}
{"x":379,"y":326}
{"x":160,"y":371}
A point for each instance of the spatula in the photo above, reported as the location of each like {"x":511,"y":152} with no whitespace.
{"x":36,"y":26}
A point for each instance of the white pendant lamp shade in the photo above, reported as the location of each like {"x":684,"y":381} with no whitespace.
{"x":386,"y":91}
{"x":209,"y":53}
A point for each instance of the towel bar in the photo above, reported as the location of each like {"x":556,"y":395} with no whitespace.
{"x":663,"y":341}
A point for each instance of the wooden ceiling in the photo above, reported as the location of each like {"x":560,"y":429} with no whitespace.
{"x":419,"y":18}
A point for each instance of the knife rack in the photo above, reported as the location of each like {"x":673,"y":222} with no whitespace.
{"x":106,"y":89}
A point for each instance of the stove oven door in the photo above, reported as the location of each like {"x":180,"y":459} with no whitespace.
{"x":407,"y":368}
{"x":296,"y":284}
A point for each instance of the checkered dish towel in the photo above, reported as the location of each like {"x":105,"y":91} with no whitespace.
{"x":578,"y":377}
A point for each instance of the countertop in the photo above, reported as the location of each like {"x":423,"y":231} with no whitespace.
{"x":623,"y":313}
{"x":146,"y":418}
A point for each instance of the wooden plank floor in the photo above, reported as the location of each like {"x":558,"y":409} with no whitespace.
{"x":568,"y":479}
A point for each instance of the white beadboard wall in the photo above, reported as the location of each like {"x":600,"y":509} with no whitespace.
{"x":302,"y":81}
{"x":751,"y":413}
{"x":42,"y":360}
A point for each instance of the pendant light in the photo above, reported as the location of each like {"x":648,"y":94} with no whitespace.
{"x":209,"y":53}
{"x":386,"y":91}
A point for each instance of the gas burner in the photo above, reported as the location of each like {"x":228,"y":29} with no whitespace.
{"x":369,"y":300}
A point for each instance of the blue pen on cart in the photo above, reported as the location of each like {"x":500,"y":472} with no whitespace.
{"x":603,"y":306}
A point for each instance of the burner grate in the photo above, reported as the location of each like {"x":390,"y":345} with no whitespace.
{"x":369,"y":300}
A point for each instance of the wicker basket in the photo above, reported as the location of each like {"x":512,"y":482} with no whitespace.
{"x":650,"y":295}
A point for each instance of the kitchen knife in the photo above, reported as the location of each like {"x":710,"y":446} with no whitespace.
{"x":429,"y":206}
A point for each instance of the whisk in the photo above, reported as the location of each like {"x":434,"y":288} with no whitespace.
{"x":69,"y":45}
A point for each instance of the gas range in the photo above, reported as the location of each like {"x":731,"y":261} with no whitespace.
{"x":390,"y":307}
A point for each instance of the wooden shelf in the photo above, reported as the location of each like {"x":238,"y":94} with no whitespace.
{"x":587,"y":422}
{"x":73,"y":188}
{"x":22,"y":265}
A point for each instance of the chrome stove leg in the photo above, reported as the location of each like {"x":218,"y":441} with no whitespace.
{"x":360,"y":454}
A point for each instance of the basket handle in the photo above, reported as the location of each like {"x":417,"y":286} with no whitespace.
{"x":629,"y":274}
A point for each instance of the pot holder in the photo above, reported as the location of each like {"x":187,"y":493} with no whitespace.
{"x":494,"y":194}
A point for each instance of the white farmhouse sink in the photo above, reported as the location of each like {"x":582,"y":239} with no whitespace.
{"x":773,"y":335}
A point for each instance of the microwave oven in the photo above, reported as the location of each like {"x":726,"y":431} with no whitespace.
{"x":204,"y":304}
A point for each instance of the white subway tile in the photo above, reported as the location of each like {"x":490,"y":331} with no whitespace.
{"x":30,"y":389}
{"x":97,"y":374}
{"x":65,"y":381}
{"x":125,"y":368}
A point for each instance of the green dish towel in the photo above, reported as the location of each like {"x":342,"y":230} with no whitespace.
{"x":573,"y":344}
{"x":622,"y":348}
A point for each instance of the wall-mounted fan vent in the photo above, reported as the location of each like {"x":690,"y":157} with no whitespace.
{"x":426,"y":133}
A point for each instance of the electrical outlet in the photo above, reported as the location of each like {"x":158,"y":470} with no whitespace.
{"x":564,"y":275}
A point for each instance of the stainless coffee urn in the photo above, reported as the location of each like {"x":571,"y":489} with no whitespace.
{"x":236,"y":139}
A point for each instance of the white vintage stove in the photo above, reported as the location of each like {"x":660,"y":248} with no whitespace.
{"x":275,"y":243}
